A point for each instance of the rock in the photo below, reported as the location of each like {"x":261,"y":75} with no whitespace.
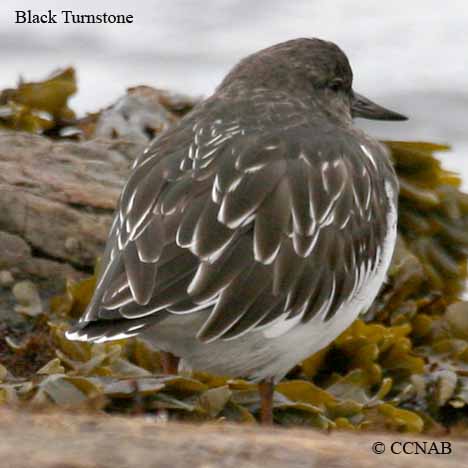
{"x":57,"y":199}
{"x":14,"y":250}
{"x":53,"y":440}
{"x":6,"y":278}
{"x":137,"y":116}
{"x":27,"y":296}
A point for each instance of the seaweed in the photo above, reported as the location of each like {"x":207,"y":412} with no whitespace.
{"x":39,"y":107}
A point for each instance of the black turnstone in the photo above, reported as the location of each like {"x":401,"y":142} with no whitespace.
{"x":255,"y":230}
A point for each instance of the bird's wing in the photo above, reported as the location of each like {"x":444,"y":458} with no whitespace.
{"x":260,"y":228}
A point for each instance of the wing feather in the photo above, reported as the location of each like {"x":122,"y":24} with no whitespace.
{"x":143,"y":198}
{"x":141,"y":275}
{"x":150,"y":242}
{"x":212,"y":278}
{"x":300,"y":200}
{"x":287,"y":268}
{"x":258,"y":228}
{"x":272,"y":223}
{"x":235,"y":301}
{"x":174,"y":292}
{"x":186,"y":230}
{"x":210,"y":237}
{"x":240,"y":203}
{"x":258,"y":310}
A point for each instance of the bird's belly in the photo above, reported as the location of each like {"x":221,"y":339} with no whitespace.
{"x":257,"y":355}
{"x":254,"y":355}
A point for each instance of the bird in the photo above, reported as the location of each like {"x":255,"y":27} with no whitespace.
{"x":257,"y":228}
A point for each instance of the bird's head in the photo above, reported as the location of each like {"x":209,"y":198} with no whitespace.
{"x":310,"y":69}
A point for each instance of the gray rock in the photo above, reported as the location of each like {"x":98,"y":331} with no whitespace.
{"x":57,"y":198}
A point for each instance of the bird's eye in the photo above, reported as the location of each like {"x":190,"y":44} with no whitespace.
{"x":336,"y":85}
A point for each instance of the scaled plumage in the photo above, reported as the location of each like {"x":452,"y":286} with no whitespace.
{"x":256,"y":229}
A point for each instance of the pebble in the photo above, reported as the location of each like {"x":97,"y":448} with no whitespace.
{"x":457,"y":316}
{"x":27,"y":296}
{"x":6,"y":278}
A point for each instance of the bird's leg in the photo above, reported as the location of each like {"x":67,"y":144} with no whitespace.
{"x":139,"y":407}
{"x":170,"y":363}
{"x":265,"y":388}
